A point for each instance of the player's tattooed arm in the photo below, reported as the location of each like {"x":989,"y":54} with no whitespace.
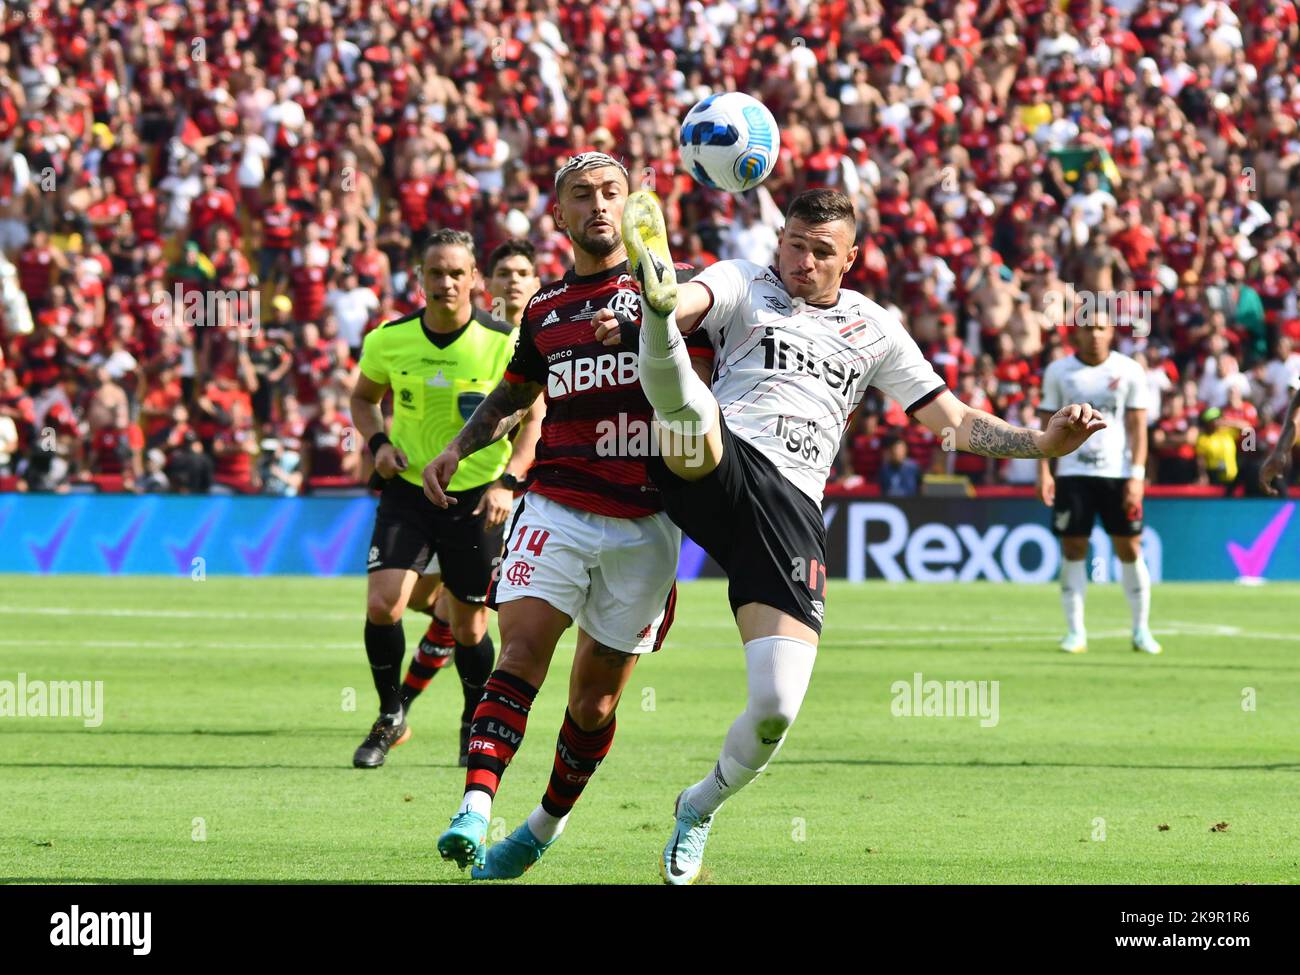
{"x":992,"y":437}
{"x":496,"y":416}
{"x":964,"y":428}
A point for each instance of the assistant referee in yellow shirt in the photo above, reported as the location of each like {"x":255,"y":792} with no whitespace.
{"x":440,"y":362}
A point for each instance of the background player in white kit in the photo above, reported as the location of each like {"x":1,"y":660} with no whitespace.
{"x":795,"y":355}
{"x":1105,"y":478}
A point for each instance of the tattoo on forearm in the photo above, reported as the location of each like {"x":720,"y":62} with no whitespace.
{"x":496,"y":416}
{"x":993,"y":438}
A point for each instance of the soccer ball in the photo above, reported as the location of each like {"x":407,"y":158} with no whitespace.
{"x":729,"y":142}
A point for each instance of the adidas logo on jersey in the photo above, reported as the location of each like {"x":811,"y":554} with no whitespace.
{"x":550,"y":319}
{"x":438,"y":380}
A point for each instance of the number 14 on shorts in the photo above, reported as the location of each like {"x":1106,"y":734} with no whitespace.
{"x":535,"y":541}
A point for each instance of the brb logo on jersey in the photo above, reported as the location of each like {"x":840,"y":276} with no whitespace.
{"x":579,"y":375}
{"x":781,"y":353}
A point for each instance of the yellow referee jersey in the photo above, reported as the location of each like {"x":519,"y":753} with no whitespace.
{"x":438,"y":380}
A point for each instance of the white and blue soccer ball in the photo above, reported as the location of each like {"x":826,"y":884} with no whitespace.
{"x":729,"y":142}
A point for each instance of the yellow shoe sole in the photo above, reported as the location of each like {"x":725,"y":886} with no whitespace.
{"x":646,"y":238}
{"x":663,"y":872}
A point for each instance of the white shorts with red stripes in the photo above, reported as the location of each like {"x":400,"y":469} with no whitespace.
{"x":615,"y":577}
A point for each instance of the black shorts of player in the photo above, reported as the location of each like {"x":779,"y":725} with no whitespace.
{"x":767,"y":535}
{"x":410,"y":529}
{"x":1080,"y":499}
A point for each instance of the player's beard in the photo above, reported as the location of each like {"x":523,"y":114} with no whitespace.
{"x":598,"y":247}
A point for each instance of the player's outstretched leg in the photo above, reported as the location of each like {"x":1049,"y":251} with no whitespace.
{"x":1136,"y":580}
{"x":778,"y":669}
{"x":595,"y":687}
{"x":530,"y":628}
{"x":691,"y":442}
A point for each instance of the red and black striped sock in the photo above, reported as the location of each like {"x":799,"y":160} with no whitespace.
{"x":434,"y":653}
{"x":497,"y":730}
{"x":578,"y":754}
{"x":439,"y":632}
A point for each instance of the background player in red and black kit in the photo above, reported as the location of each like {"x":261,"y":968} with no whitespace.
{"x":590,"y":542}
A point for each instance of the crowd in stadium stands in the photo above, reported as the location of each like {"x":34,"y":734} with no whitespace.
{"x":208,"y":203}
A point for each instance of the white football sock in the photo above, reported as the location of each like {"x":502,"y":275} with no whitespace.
{"x":778,"y":670}
{"x":681,"y":400}
{"x":1137,"y":588}
{"x":1074,"y":581}
{"x":476,"y":800}
{"x":544,"y":826}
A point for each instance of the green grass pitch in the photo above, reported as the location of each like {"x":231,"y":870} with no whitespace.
{"x":225,"y":748}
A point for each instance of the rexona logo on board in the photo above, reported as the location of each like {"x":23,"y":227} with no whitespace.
{"x":1000,"y":552}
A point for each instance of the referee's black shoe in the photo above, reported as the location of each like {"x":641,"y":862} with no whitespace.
{"x":384,"y":734}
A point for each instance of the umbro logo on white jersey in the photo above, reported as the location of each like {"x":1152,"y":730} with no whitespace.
{"x":550,"y":319}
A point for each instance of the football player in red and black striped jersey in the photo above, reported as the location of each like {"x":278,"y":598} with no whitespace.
{"x":589,"y":544}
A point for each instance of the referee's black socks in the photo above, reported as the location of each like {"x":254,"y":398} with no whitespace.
{"x":385,"y":646}
{"x":474,"y":664}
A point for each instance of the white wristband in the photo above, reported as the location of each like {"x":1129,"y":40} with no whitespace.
{"x":1137,"y":472}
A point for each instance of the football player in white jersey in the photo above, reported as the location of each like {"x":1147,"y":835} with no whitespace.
{"x":743,"y":473}
{"x":1105,"y":478}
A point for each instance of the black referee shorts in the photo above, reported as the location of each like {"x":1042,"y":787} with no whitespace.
{"x":410,"y":529}
{"x":1080,"y":500}
{"x":767,"y":535}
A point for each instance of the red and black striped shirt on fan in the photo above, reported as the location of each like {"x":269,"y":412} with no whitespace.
{"x":588,"y":387}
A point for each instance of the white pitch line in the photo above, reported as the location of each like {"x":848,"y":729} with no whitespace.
{"x":1100,"y":634}
{"x":173,"y":645}
{"x":1176,"y":628}
{"x":180,"y":614}
{"x":118,"y":612}
{"x":1002,"y":637}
